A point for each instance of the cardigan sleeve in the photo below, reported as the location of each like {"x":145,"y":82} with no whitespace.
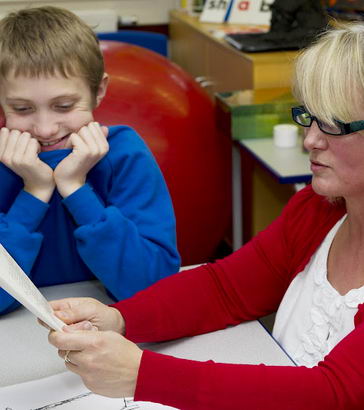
{"x":246,"y":285}
{"x":335,"y":383}
{"x":243,"y":286}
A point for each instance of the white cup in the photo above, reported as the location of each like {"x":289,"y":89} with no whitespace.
{"x":285,"y":135}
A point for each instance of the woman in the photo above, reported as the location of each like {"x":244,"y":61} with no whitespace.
{"x":308,"y":265}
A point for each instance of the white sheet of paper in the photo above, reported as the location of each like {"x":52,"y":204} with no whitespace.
{"x":64,"y":391}
{"x":14,"y":280}
{"x":214,"y":11}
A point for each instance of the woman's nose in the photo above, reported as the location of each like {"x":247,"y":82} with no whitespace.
{"x":314,"y":138}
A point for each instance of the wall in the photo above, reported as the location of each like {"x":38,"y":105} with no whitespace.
{"x":105,"y":13}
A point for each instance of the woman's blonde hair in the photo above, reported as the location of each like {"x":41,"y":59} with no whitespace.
{"x":329,"y":74}
{"x":46,"y":40}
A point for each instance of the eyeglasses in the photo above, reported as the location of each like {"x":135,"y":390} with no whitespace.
{"x":302,"y":117}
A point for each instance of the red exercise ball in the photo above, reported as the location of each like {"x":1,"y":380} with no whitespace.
{"x":176,"y":119}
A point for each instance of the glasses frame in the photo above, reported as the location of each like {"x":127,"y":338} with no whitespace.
{"x":345,"y":127}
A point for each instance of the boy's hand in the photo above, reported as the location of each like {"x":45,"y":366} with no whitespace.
{"x":19,"y":152}
{"x":89,"y":146}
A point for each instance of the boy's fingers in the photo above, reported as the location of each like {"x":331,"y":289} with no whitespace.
{"x":98,"y":136}
{"x":105,"y":130}
{"x":77,"y":141}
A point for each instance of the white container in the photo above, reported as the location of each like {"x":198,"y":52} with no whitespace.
{"x":285,"y":135}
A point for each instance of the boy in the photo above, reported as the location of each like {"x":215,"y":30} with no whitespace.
{"x":77,"y":200}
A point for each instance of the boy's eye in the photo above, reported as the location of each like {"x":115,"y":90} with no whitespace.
{"x":22,"y":108}
{"x":64,"y":107}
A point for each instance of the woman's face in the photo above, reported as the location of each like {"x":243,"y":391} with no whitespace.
{"x":337,"y":162}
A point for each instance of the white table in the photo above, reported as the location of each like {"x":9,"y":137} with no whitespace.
{"x":25,"y":353}
{"x":287,"y":165}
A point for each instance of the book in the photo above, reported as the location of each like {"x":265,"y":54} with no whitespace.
{"x":65,"y":391}
{"x":15,"y":281}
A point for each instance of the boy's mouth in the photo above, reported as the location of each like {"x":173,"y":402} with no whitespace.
{"x":51,"y":143}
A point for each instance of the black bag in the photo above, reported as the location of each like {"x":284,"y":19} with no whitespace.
{"x":294,"y":24}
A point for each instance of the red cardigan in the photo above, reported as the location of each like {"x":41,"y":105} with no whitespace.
{"x":246,"y":285}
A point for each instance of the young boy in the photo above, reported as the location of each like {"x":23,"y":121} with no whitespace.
{"x":78,"y":201}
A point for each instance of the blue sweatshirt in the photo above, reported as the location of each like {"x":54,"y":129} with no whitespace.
{"x":119,"y":227}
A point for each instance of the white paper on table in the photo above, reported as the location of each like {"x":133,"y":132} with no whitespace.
{"x":14,"y":280}
{"x":64,"y":391}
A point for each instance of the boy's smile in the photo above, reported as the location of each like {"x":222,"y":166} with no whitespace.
{"x":50,"y":108}
{"x":54,"y":144}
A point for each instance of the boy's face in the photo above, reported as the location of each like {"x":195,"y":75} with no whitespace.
{"x":49,"y":108}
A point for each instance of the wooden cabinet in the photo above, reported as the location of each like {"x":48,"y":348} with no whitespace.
{"x":228,"y":70}
{"x":217,"y":65}
{"x":188,"y":48}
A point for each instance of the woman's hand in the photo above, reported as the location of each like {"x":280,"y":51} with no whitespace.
{"x":89,"y":145}
{"x":19,"y":152}
{"x":80,"y":312}
{"x":107,"y":362}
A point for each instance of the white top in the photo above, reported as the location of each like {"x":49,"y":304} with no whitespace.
{"x":313,"y":317}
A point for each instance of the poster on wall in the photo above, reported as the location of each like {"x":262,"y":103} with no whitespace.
{"x":250,"y":12}
{"x":215,"y":11}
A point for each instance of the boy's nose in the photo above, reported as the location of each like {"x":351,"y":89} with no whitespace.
{"x":45,"y":127}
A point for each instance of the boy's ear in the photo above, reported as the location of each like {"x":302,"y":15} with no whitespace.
{"x":102,"y":89}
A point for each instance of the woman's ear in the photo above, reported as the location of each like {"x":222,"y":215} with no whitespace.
{"x":102,"y":89}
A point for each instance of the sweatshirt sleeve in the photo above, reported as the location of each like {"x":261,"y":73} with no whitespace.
{"x":19,"y":237}
{"x":129,"y":242}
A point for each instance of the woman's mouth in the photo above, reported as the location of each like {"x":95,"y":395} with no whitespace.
{"x":316,"y":166}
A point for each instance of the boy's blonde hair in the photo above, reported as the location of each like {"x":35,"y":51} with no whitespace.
{"x":46,"y":40}
{"x":329,"y":75}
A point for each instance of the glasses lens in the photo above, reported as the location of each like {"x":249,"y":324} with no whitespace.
{"x":302,"y":117}
{"x":329,"y":129}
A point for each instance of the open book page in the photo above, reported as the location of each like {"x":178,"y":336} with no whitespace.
{"x":64,"y":391}
{"x":14,"y":280}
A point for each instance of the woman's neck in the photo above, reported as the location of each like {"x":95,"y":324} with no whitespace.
{"x":345,"y":264}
